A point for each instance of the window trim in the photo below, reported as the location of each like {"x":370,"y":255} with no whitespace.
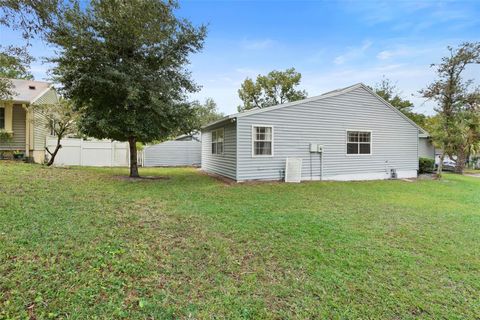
{"x":358,"y":154}
{"x":252,"y":135}
{"x":223,"y":142}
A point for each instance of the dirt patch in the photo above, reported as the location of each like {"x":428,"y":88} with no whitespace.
{"x":142,"y":178}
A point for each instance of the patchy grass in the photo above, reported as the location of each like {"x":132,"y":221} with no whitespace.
{"x":81,"y":243}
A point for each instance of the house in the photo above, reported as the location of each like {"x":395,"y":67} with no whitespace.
{"x":360,"y":136}
{"x":27,"y":127}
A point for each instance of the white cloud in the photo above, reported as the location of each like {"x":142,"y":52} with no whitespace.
{"x":353,"y":53}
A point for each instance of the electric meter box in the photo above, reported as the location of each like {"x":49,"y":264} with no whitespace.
{"x":315,"y":147}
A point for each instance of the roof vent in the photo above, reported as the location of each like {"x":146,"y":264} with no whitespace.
{"x":31,"y":87}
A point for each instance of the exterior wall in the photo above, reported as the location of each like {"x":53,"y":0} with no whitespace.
{"x":426,"y":148}
{"x":40,"y":122}
{"x":325,"y":122}
{"x":223,"y":164}
{"x":38,"y":156}
{"x":18,"y":128}
{"x":173,"y":153}
{"x":48,"y":97}
{"x":40,"y":131}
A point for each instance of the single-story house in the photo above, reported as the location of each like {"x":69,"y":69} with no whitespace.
{"x":346,"y":134}
{"x":27,"y":127}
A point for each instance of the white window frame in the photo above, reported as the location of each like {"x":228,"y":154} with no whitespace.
{"x":253,"y":137}
{"x":216,"y":138}
{"x":358,"y":154}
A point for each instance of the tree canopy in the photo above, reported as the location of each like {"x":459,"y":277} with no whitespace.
{"x":202,"y":114}
{"x":390,"y":92}
{"x":457,"y":126}
{"x":122,"y":64}
{"x":275,"y":88}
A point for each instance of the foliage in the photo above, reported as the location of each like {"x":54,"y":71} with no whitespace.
{"x":61,"y":119}
{"x":29,"y":16}
{"x":14,"y":64}
{"x":122,"y":63}
{"x":426,"y":165}
{"x":32,"y":17}
{"x":390,"y":93}
{"x":202,"y":114}
{"x":5,"y":136}
{"x":275,"y":88}
{"x":457,"y":128}
{"x":192,"y":247}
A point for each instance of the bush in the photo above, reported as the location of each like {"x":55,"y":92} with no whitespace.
{"x":426,"y":165}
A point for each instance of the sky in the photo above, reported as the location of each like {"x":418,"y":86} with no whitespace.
{"x":333,"y":44}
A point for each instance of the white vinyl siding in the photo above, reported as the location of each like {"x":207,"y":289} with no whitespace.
{"x":262,"y":141}
{"x":325,"y":122}
{"x":222,"y":164}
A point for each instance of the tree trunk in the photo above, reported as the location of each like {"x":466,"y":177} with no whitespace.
{"x":460,"y":163}
{"x":54,"y":153}
{"x":132,"y":142}
{"x":440,"y":165}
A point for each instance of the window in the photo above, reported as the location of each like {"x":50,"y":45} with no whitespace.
{"x":2,"y":118}
{"x":217,"y":141}
{"x":262,"y":141}
{"x":359,"y":142}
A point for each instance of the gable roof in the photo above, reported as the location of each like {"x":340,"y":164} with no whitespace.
{"x":326,"y":95}
{"x":28,"y":90}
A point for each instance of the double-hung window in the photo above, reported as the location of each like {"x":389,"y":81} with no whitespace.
{"x":217,"y":141}
{"x":262,"y":139}
{"x":2,"y":118}
{"x":359,"y":142}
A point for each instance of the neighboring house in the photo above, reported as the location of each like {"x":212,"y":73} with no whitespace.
{"x":28,"y":127}
{"x":185,"y":150}
{"x":362,"y":137}
{"x":426,"y":149}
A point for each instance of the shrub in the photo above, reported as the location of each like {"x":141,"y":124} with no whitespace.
{"x":426,"y":165}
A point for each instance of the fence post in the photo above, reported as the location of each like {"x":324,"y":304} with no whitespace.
{"x":81,"y":151}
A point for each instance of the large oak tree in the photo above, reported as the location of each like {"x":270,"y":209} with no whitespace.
{"x":122,"y":64}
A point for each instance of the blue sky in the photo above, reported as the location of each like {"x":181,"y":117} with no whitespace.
{"x":333,"y":44}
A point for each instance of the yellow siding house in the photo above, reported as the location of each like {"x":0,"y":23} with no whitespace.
{"x":27,"y":127}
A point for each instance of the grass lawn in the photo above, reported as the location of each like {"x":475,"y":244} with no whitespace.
{"x":84,"y":243}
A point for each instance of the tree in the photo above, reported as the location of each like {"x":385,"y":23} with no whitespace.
{"x":202,"y":114}
{"x":14,"y":64}
{"x":457,"y":129}
{"x":61,"y":120}
{"x":122,"y":64}
{"x":29,"y":16}
{"x":275,"y":88}
{"x":390,"y":93}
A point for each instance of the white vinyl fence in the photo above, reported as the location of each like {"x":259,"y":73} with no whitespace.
{"x":173,"y":153}
{"x":96,"y":153}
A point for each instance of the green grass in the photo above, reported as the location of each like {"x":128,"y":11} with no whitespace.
{"x":87,"y":244}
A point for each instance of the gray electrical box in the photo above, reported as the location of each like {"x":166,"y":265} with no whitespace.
{"x":315,"y":147}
